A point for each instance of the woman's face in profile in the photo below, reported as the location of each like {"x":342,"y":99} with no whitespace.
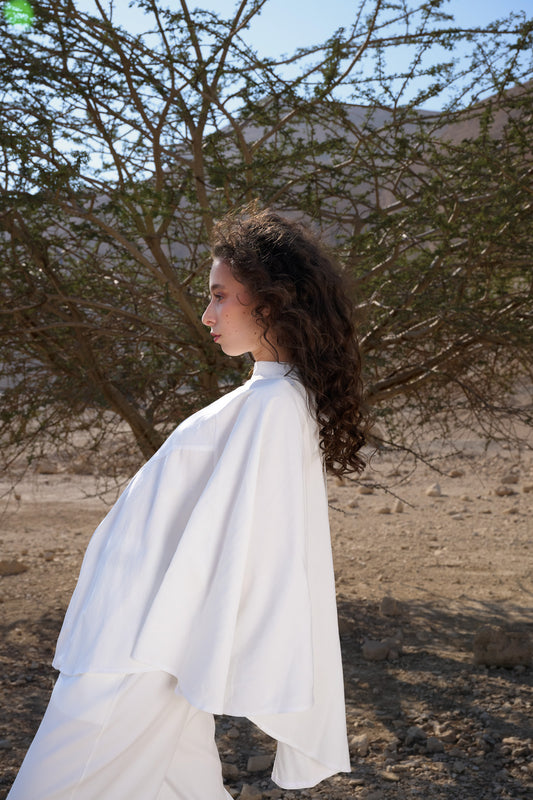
{"x":229,"y":315}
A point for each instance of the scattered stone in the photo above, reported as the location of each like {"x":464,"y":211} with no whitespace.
{"x":353,"y":503}
{"x":48,"y":555}
{"x":510,"y":477}
{"x":259,"y":762}
{"x":345,"y":626}
{"x":234,"y":733}
{"x":359,"y":744}
{"x":250,"y":792}
{"x":389,"y":775}
{"x":398,"y":507}
{"x":384,"y":510}
{"x":390,"y":607}
{"x":434,"y":745}
{"x":498,"y":647}
{"x":434,"y":490}
{"x":446,"y":734}
{"x":382,"y":650}
{"x":12,"y":567}
{"x":458,"y":767}
{"x":5,"y":744}
{"x":364,"y":489}
{"x":504,"y":491}
{"x":511,"y":510}
{"x":415,"y":734}
{"x":466,"y":498}
{"x":456,"y":473}
{"x":527,"y":488}
{"x":230,"y":772}
{"x":391,"y":748}
{"x":375,"y":651}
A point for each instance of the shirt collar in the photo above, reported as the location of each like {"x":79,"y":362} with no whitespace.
{"x":271,"y":369}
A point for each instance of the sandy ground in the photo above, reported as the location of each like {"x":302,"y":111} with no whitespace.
{"x":424,"y":722}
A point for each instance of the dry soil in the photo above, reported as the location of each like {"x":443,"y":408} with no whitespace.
{"x":426,"y":722}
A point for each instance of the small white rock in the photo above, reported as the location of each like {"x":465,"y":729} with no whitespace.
{"x":375,"y":651}
{"x":388,"y":775}
{"x":434,"y":490}
{"x":359,"y":744}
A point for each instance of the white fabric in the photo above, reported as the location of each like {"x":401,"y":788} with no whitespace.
{"x":121,"y":737}
{"x":215,"y":566}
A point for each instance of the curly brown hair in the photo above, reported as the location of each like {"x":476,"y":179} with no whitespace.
{"x":301,"y":301}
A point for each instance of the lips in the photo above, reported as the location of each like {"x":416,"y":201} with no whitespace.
{"x":216,"y":336}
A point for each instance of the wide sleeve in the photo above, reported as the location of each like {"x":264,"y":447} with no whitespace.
{"x":232,"y":616}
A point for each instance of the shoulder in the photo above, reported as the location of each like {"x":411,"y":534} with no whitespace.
{"x":280,"y":393}
{"x":257,"y":404}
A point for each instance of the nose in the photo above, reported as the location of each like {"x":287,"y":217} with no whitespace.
{"x":207,"y":316}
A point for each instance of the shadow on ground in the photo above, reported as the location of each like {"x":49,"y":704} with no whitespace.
{"x":474,"y":723}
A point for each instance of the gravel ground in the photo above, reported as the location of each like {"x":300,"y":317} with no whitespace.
{"x":416,"y":580}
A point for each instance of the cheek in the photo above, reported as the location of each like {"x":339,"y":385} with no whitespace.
{"x":250,"y":323}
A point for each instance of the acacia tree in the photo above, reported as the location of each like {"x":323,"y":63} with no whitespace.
{"x":119,"y":151}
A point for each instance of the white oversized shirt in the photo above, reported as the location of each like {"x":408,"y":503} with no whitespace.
{"x":215,"y":566}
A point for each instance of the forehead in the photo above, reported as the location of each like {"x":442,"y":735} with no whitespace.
{"x":221,"y":275}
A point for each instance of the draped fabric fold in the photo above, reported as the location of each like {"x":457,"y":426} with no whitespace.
{"x":215,"y":566}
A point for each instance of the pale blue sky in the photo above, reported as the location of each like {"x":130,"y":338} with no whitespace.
{"x":285,"y":25}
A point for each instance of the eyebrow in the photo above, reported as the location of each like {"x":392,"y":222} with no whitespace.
{"x":216,"y":286}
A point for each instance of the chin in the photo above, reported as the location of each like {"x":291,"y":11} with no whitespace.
{"x":233,"y":353}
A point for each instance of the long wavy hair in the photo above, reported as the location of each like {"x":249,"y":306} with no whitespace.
{"x":302,"y":303}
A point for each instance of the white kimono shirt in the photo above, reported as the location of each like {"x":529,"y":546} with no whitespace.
{"x":215,"y":566}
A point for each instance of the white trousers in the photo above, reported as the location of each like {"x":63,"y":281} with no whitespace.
{"x":121,"y":737}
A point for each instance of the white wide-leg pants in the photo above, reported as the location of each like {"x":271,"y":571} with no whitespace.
{"x":121,"y":737}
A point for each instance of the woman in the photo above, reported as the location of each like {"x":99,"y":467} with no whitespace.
{"x":208,"y":588}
